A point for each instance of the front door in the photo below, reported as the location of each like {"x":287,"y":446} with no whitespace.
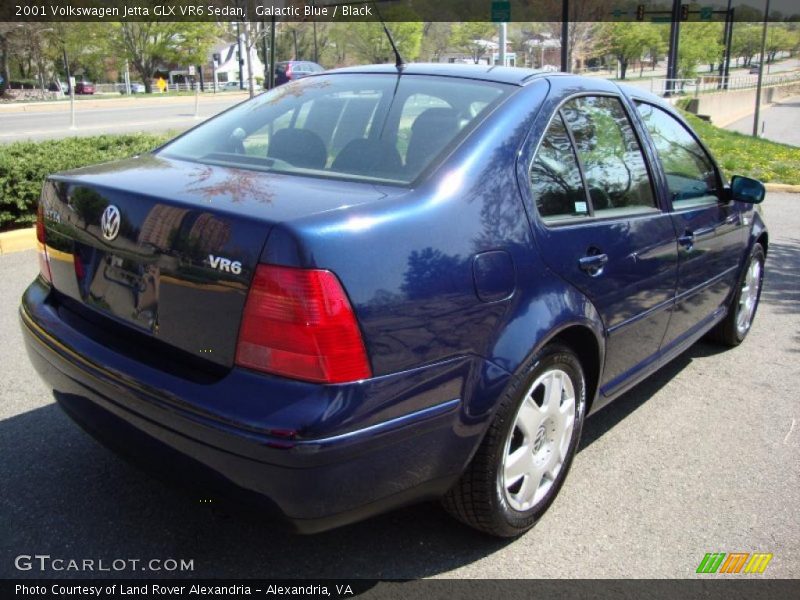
{"x":711,"y":233}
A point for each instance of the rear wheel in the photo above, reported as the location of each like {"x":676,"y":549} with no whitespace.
{"x":732,"y":330}
{"x":526,"y":454}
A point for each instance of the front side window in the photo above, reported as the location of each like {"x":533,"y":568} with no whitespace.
{"x":690,"y":173}
{"x":613,"y":163}
{"x":374,"y":127}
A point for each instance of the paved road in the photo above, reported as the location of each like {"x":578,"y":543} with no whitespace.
{"x":114,"y":116}
{"x":702,"y":457}
{"x":779,"y":122}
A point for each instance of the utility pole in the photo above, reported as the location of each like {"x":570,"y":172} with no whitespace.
{"x":265,"y":53}
{"x":250,"y":86}
{"x":239,"y":49}
{"x":71,"y":85}
{"x":565,"y":36}
{"x":503,"y":41}
{"x":272,"y":53}
{"x":757,"y":115}
{"x":674,"y":46}
{"x":316,"y":48}
{"x":729,"y":21}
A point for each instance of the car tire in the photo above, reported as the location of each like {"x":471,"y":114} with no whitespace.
{"x":732,"y":330}
{"x":534,"y":434}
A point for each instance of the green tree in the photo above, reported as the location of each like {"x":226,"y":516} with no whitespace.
{"x":87,"y":47}
{"x":628,"y":42}
{"x":699,"y":43}
{"x":472,"y":37}
{"x":150,"y":45}
{"x":779,"y":39}
{"x":435,"y":40}
{"x":369,"y":42}
{"x":746,"y":42}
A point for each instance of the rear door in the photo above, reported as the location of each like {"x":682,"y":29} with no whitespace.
{"x":710,"y":230}
{"x":601,"y":227}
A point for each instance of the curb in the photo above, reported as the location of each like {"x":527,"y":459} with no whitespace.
{"x":17,"y":240}
{"x":782,"y":187}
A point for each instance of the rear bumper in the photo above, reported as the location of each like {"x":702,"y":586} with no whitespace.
{"x":319,"y":456}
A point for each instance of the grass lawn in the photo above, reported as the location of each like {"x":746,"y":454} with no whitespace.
{"x":740,"y":154}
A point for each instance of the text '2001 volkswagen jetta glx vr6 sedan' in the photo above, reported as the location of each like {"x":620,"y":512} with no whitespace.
{"x":376,"y":286}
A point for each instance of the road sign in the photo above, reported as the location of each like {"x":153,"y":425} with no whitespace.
{"x":161,"y":84}
{"x":191,"y":71}
{"x":501,"y":11}
{"x":706,"y":13}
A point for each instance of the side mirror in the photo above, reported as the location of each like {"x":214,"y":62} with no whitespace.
{"x":745,"y":189}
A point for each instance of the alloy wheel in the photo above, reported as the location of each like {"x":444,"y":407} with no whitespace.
{"x":538,"y":444}
{"x":748,"y":297}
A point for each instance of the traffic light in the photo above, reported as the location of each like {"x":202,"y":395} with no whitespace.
{"x":684,"y":12}
{"x":640,"y":12}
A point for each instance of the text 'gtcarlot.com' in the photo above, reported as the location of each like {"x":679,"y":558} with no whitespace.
{"x":44,"y":562}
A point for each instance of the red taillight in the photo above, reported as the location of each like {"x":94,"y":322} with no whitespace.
{"x":299,"y":323}
{"x":44,"y":261}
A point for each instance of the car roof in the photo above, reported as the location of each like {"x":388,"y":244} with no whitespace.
{"x":511,"y":75}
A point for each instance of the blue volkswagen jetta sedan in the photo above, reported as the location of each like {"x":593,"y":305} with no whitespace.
{"x":376,"y":286}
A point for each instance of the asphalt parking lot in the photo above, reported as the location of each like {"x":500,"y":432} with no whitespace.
{"x":702,"y":457}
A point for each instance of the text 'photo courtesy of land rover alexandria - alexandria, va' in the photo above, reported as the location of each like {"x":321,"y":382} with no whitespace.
{"x":382,"y":285}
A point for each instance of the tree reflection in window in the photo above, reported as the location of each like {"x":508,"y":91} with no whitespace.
{"x":555,"y":177}
{"x":691,"y":176}
{"x":613,"y":163}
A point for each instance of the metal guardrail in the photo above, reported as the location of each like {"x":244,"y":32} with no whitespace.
{"x":715,"y":83}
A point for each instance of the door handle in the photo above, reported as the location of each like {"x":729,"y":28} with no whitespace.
{"x":593,"y":264}
{"x":687,"y":240}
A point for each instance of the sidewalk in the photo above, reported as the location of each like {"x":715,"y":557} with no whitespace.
{"x":780,"y":122}
{"x":111,"y":102}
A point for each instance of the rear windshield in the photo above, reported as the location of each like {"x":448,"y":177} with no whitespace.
{"x":369,"y":126}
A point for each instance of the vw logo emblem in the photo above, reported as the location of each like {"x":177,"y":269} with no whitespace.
{"x":109,"y":222}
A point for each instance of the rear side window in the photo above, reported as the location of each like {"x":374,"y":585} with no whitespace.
{"x":691,"y":176}
{"x":374,"y":127}
{"x":555,"y":177}
{"x":613,"y":163}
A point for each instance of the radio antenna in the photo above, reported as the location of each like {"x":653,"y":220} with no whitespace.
{"x":399,"y":61}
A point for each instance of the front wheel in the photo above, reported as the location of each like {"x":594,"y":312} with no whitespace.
{"x":732,"y":330}
{"x":526,"y":454}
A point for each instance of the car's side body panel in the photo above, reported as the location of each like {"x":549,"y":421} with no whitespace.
{"x":634,"y":293}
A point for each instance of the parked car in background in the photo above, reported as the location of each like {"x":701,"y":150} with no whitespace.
{"x":386,"y":286}
{"x":84,"y":87}
{"x":295,"y":69}
{"x":58,"y":86}
{"x":136,"y":88}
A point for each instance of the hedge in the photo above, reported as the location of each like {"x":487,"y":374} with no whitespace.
{"x":24,"y":165}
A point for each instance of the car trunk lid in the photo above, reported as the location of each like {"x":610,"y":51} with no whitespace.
{"x":168,"y":248}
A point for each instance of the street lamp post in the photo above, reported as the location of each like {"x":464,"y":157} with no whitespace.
{"x":71,"y":90}
{"x":565,"y":36}
{"x":757,"y":115}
